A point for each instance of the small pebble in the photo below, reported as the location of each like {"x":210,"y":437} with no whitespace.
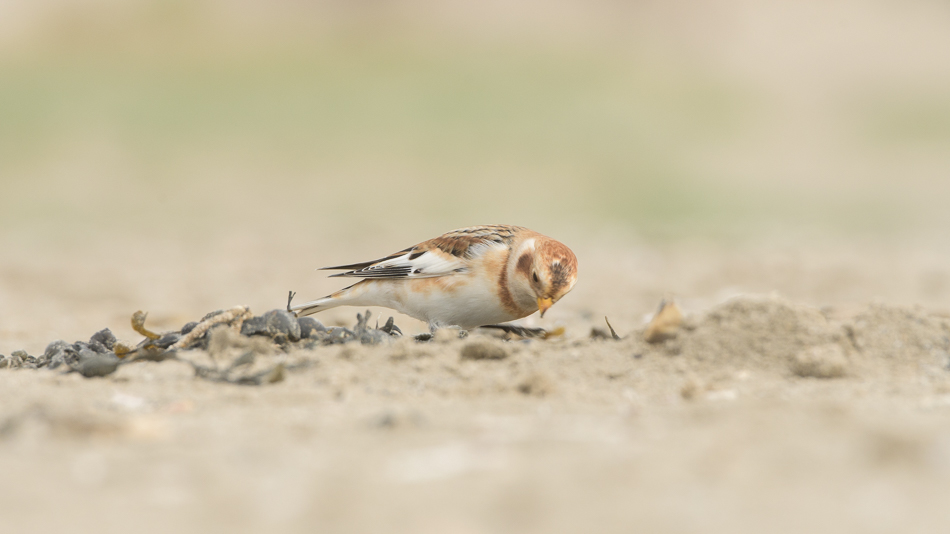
{"x":105,"y":337}
{"x":309,"y":327}
{"x":56,"y":354}
{"x":279,"y":325}
{"x":483,"y":350}
{"x":255,"y":326}
{"x":167,"y":340}
{"x":96,"y":346}
{"x":55,"y":347}
{"x":22,"y":359}
{"x":282,"y":322}
{"x":339,"y":334}
{"x":97,"y":365}
{"x":79,"y":346}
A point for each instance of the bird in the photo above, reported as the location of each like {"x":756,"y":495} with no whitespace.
{"x":466,"y":278}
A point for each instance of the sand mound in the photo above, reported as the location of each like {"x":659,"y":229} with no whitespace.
{"x":901,"y":335}
{"x":771,"y":334}
{"x":754,"y":331}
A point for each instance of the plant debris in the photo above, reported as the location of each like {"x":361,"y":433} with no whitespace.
{"x":597,"y":333}
{"x":665,"y":323}
{"x":279,"y":330}
{"x":237,"y":347}
{"x":138,"y":324}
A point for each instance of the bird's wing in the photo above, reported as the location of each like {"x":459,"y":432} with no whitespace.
{"x":444,"y":255}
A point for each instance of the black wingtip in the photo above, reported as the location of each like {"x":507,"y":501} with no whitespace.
{"x":350,"y":267}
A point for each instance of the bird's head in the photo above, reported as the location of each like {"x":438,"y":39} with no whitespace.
{"x":550,"y":271}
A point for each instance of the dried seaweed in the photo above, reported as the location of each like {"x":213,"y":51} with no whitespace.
{"x":665,"y":323}
{"x":233,"y":341}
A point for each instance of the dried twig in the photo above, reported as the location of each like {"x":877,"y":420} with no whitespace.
{"x":235,"y":313}
{"x":613,"y":333}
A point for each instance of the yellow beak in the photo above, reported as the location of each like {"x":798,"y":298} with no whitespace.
{"x":544,"y":304}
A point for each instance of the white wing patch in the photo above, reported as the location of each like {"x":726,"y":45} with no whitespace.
{"x":430,"y":264}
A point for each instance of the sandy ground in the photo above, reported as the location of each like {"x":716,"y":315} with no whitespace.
{"x":789,"y":402}
{"x":779,"y":168}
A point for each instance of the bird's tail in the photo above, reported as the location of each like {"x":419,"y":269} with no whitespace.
{"x":314,"y":306}
{"x":332,"y":300}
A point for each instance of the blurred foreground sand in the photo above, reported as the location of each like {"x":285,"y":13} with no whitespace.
{"x":715,"y":431}
{"x":182,"y":157}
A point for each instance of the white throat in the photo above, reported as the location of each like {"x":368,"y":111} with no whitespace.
{"x":521,"y":291}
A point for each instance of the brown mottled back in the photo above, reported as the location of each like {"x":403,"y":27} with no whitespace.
{"x":459,"y":242}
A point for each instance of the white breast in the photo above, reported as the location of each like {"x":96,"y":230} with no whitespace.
{"x":466,"y":299}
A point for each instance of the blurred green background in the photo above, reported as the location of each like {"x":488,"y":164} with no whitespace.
{"x":659,"y":119}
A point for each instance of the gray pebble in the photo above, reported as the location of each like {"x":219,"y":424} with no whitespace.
{"x":309,"y":327}
{"x":105,"y":337}
{"x":55,"y":347}
{"x":78,"y":348}
{"x":97,"y":365}
{"x":167,"y":340}
{"x":23,"y":359}
{"x":55,"y":354}
{"x":279,"y":325}
{"x":60,"y":358}
{"x":254,"y":326}
{"x":87,"y":353}
{"x":283,"y":322}
{"x":12,"y":361}
{"x":96,"y":346}
{"x":337,"y":335}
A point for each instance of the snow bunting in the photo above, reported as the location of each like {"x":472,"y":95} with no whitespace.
{"x":469,"y":277}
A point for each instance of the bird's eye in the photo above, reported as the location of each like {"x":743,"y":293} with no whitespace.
{"x":534,"y":276}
